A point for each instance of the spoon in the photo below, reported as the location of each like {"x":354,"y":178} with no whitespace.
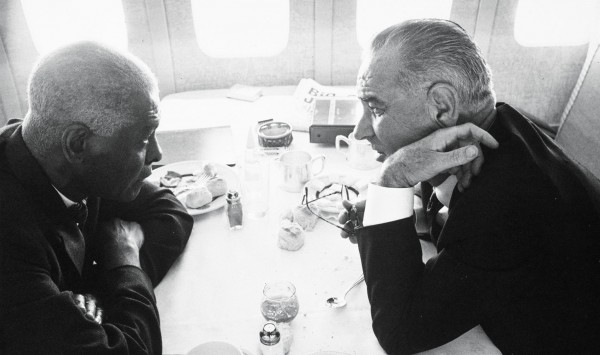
{"x":336,"y":302}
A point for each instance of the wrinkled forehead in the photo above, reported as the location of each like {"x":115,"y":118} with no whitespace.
{"x":380,"y":68}
{"x":144,"y":104}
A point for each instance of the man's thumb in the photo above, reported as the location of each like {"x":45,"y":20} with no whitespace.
{"x":471,"y":152}
{"x":461,"y":156}
{"x":347,"y":205}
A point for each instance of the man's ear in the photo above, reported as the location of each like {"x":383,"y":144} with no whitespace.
{"x":75,"y":142}
{"x":442,"y":102}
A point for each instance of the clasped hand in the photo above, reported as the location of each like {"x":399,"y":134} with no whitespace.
{"x":89,"y":306}
{"x":454,"y":150}
{"x":118,"y":243}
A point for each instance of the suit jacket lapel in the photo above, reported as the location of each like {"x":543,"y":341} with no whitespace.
{"x":74,"y":243}
{"x":30,"y":173}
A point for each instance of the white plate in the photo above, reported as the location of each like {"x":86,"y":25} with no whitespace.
{"x":188,"y":167}
{"x":333,"y":203}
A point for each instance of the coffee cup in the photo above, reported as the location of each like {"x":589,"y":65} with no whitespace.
{"x":360,"y":153}
{"x":297,"y":167}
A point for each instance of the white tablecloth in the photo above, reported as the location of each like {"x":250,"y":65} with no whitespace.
{"x":213,"y":291}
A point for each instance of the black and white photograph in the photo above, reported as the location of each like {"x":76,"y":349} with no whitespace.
{"x":299,"y":177}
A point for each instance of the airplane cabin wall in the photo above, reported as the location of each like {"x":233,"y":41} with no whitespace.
{"x":536,"y":80}
{"x":322,"y":45}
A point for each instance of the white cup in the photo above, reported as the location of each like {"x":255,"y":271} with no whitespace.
{"x":297,"y":167}
{"x":360,"y":153}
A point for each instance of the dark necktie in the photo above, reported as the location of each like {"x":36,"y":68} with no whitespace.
{"x":78,"y":212}
{"x":72,"y":235}
{"x":433,"y":207}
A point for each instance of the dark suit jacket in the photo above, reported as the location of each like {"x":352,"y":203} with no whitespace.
{"x":518,"y":255}
{"x":38,"y":273}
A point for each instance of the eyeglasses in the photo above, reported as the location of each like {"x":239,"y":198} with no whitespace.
{"x":344,"y":190}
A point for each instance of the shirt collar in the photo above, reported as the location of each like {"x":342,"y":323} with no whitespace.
{"x":443,"y":191}
{"x":68,"y":202}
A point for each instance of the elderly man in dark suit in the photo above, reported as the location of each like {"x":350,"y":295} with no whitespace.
{"x":83,"y":238}
{"x":518,"y":253}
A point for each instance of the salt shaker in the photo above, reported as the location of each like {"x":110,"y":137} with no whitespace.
{"x":270,"y":340}
{"x":234,"y":211}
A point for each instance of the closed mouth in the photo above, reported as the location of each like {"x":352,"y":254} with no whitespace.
{"x":382,"y":155}
{"x":146,"y":171}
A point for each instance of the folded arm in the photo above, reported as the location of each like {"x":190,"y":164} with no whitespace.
{"x":36,"y":316}
{"x":165,"y":223}
{"x":416,"y":306}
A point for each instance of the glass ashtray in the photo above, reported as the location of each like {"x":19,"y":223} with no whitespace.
{"x":275,"y":134}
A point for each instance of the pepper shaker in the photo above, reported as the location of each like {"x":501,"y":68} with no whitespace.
{"x":235,"y":214}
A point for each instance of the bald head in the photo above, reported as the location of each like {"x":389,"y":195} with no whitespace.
{"x":432,"y":50}
{"x":85,"y":83}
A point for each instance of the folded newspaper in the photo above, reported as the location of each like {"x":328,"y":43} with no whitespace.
{"x":306,"y":96}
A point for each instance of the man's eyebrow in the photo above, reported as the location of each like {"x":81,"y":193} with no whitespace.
{"x":372,"y":99}
{"x":152,"y":125}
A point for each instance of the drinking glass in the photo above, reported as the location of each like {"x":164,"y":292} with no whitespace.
{"x":279,"y":302}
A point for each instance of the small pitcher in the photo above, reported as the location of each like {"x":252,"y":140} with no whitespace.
{"x":298,"y":167}
{"x":360,"y":152}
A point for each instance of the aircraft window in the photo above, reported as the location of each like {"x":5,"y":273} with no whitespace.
{"x":554,"y":23}
{"x":241,"y":28}
{"x":59,"y":22}
{"x":373,"y":16}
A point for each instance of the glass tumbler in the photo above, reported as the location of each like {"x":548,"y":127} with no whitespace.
{"x":279,"y":302}
{"x":255,"y":180}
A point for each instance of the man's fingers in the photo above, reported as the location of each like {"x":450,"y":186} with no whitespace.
{"x":347,"y":205}
{"x":99,"y":315}
{"x":453,"y":159}
{"x":343,"y":217}
{"x":465,"y":179}
{"x":80,"y":301}
{"x":90,"y":306}
{"x":450,"y":137}
{"x":470,"y":131}
{"x":476,"y":165}
{"x":349,"y":225}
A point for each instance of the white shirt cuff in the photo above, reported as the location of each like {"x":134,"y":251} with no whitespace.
{"x":386,"y":204}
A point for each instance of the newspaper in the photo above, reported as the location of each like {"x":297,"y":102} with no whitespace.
{"x":308,"y":93}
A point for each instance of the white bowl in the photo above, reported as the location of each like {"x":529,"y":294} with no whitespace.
{"x":216,"y":348}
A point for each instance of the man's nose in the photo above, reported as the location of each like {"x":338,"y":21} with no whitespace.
{"x":154,"y":152}
{"x":364,"y":128}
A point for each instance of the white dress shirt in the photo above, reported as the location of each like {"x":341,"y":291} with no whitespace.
{"x":386,"y":204}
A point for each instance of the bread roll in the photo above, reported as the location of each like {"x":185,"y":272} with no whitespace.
{"x":291,"y":235}
{"x":217,"y":186}
{"x":198,"y":197}
{"x":210,"y":169}
{"x":304,"y":218}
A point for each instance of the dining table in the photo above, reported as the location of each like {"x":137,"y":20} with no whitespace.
{"x":213,"y":291}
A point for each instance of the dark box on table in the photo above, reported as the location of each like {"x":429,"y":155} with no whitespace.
{"x":334,"y":116}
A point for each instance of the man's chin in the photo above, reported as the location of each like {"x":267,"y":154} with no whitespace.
{"x":131,"y":193}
